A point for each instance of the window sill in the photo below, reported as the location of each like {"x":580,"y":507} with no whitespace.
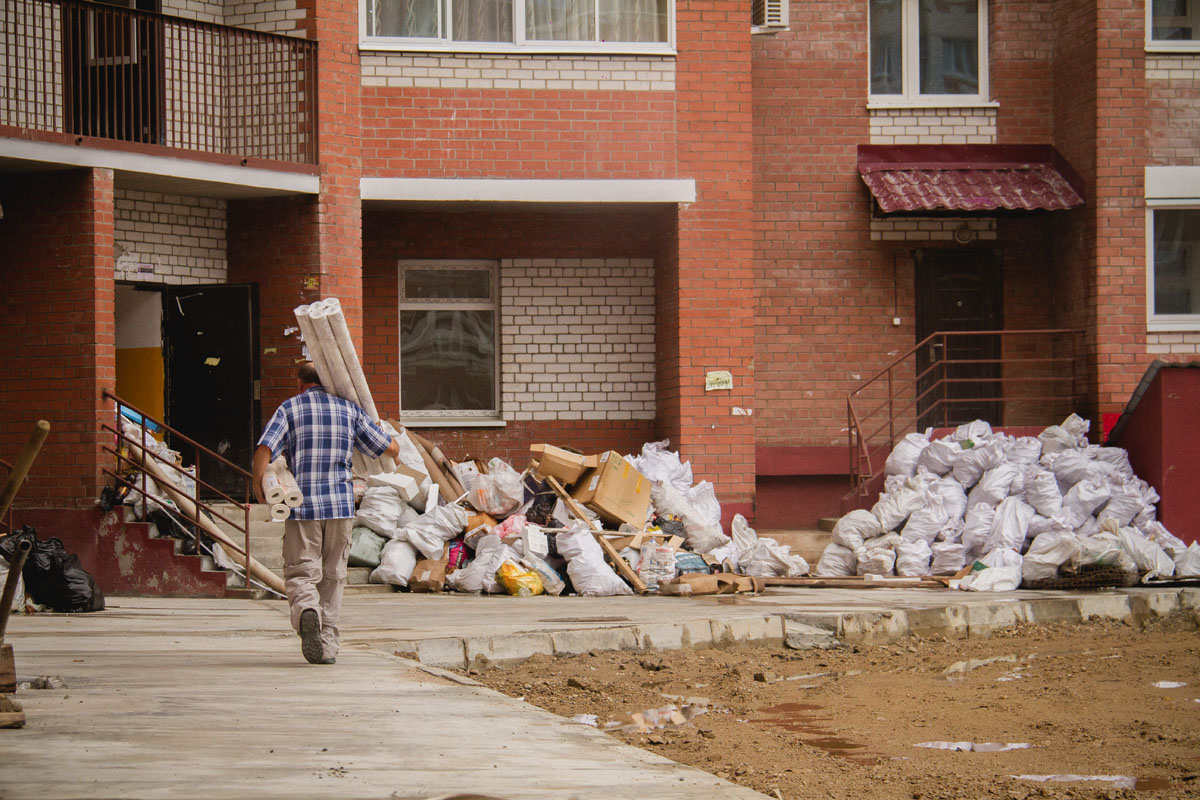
{"x":465,"y":48}
{"x":1184,"y":324}
{"x":876,"y":104}
{"x":1192,"y":47}
{"x":453,"y":422}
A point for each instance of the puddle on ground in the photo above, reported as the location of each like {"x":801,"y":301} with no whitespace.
{"x":805,"y":719}
{"x":1116,"y":781}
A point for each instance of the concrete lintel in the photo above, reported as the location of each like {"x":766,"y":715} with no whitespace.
{"x":1172,"y":183}
{"x":483,"y":190}
{"x":160,"y":173}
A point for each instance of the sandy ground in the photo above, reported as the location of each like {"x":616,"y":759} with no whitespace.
{"x":847,"y":723}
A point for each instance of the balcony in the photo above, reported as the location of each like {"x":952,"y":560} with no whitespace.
{"x":97,"y":75}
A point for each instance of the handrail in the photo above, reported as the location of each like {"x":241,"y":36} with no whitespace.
{"x":200,"y":506}
{"x":895,"y":399}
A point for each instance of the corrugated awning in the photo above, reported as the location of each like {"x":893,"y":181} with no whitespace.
{"x":973,"y":177}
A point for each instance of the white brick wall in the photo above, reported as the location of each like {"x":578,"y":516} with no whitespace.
{"x":1173,"y":343}
{"x":181,"y":239}
{"x":940,"y":229}
{"x":270,"y":16}
{"x":475,"y":71}
{"x":577,"y":338}
{"x":1181,"y":66}
{"x":201,"y":10}
{"x":933,"y":125}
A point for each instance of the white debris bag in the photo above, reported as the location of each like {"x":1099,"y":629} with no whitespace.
{"x":1002,"y":557}
{"x":995,"y":485}
{"x":656,"y":564}
{"x":430,"y":532}
{"x":1042,"y":492}
{"x":926,"y":521}
{"x":1047,"y":552}
{"x":380,"y":510}
{"x":699,"y":510}
{"x":1022,"y":450}
{"x":768,"y":558}
{"x":658,"y":463}
{"x":947,"y":558}
{"x":971,"y":463}
{"x":498,"y":493}
{"x":18,"y":602}
{"x":938,"y":457}
{"x":880,"y":561}
{"x":976,"y":530}
{"x":1087,"y":496}
{"x":1187,"y":563}
{"x":855,"y":528}
{"x":913,"y":557}
{"x":1101,"y":550}
{"x":395,"y":564}
{"x":993,"y":579}
{"x":904,"y":456}
{"x":952,"y":495}
{"x":1152,"y":561}
{"x":837,"y":562}
{"x":1158,"y":533}
{"x":589,"y":573}
{"x":1123,"y":505}
{"x":1011,"y":525}
{"x":480,"y":575}
{"x":893,"y":508}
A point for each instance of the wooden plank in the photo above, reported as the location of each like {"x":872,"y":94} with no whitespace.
{"x":12,"y":719}
{"x":8,"y":670}
{"x":623,"y":569}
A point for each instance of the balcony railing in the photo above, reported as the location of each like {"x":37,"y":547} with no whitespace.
{"x":94,"y":70}
{"x":1007,"y":378}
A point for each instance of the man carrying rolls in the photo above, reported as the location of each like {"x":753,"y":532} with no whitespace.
{"x":318,"y":432}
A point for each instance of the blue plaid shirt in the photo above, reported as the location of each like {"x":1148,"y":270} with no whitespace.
{"x":317,"y":431}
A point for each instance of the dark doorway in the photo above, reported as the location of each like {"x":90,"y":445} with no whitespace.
{"x":113,"y":70}
{"x":959,"y":290}
{"x":210,"y":337}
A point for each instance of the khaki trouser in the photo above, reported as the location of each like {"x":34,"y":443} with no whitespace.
{"x":314,"y":572}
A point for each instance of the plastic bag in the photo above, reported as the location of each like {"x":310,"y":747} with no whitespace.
{"x":517,"y":580}
{"x":938,"y":457}
{"x":994,"y":485}
{"x":952,"y":495}
{"x":993,"y":579}
{"x":430,"y":532}
{"x":926,"y":521}
{"x":1055,"y":439}
{"x":854,"y":528}
{"x":948,"y":558}
{"x":1011,"y":525}
{"x":366,"y":548}
{"x":1151,"y":559}
{"x":480,"y":575}
{"x":409,"y":455}
{"x":976,"y":529}
{"x":551,"y":582}
{"x":396,"y":563}
{"x":1041,"y":492}
{"x":976,"y":431}
{"x":1102,"y":550}
{"x":1123,"y":505}
{"x":658,"y":463}
{"x":893,"y":508}
{"x":1022,"y":450}
{"x":1158,"y":533}
{"x":769,"y":558}
{"x":498,"y":493}
{"x":913,"y":557}
{"x":1002,"y":557}
{"x":590,"y":575}
{"x":380,"y":510}
{"x":656,"y":564}
{"x":55,"y":578}
{"x":877,"y":562}
{"x":1086,"y":496}
{"x":837,"y":562}
{"x":699,"y":510}
{"x":18,"y":602}
{"x":904,"y":456}
{"x":971,"y":463}
{"x":1187,"y":563}
{"x":1047,"y":552}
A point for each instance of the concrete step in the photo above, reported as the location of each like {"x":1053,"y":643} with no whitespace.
{"x":827,"y":523}
{"x":806,"y":543}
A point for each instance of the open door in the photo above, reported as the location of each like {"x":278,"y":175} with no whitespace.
{"x":960,"y":290}
{"x":211,"y":345}
{"x":113,"y":70}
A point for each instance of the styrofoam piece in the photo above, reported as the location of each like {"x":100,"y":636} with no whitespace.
{"x":405,"y":485}
{"x":431,"y":501}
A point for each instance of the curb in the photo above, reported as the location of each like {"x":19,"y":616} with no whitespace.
{"x":799,"y":630}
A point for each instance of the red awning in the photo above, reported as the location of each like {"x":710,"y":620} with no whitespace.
{"x":971,"y":177}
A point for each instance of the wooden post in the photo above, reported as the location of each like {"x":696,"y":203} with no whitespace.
{"x":623,"y":569}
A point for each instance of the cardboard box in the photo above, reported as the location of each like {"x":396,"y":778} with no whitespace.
{"x":615,"y":490}
{"x":428,"y":576}
{"x":555,"y":462}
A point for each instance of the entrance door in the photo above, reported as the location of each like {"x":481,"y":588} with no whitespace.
{"x":959,"y":291}
{"x":211,"y":345}
{"x":113,"y":70}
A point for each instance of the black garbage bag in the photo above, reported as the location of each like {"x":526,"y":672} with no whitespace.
{"x":8,"y":545}
{"x":55,"y":578}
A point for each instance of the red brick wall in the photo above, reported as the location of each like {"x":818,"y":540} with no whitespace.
{"x":1174,"y":109}
{"x":1021,"y":43}
{"x":58,"y":314}
{"x":474,"y":133}
{"x":716,"y":293}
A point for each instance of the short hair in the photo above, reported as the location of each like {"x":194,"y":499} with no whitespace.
{"x":307,"y":373}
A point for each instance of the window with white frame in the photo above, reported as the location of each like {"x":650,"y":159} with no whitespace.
{"x":554,"y":25}
{"x":449,"y":354}
{"x":928,"y":52}
{"x":1173,"y":24}
{"x":1174,"y":273}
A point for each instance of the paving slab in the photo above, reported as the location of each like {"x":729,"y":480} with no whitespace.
{"x":211,"y":698}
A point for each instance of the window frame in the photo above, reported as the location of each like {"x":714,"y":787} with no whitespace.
{"x":519,"y":45}
{"x":1168,"y":45}
{"x":1165,"y":323}
{"x":458,"y":417}
{"x":911,"y":96}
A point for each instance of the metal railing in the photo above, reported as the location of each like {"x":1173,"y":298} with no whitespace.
{"x":1013,"y":378}
{"x":74,"y":67}
{"x":125,"y":465}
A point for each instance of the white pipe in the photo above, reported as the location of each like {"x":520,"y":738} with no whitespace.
{"x":280,"y":512}
{"x":342,"y":385}
{"x":271,"y":487}
{"x":304,"y":320}
{"x":341,"y":335}
{"x":292,"y":496}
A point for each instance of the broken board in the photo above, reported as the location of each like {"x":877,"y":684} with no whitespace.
{"x":623,"y":569}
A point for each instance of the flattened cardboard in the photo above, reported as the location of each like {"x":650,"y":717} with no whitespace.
{"x":615,"y":490}
{"x":562,"y":464}
{"x":428,"y":576}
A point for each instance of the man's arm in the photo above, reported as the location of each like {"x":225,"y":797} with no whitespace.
{"x":262,"y":457}
{"x":393,"y":450}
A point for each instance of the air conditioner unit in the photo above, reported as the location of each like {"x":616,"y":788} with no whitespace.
{"x":768,"y":14}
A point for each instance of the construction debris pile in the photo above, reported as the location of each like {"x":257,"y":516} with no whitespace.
{"x":1023,"y":511}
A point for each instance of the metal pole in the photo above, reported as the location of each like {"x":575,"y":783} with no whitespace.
{"x":24,"y":461}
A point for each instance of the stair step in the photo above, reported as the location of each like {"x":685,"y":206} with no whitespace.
{"x":808,"y":544}
{"x":827,"y":523}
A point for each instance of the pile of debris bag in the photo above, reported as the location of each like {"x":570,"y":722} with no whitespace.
{"x":602,"y":524}
{"x":1020,"y":511}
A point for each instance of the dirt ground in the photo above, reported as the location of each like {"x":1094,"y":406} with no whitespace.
{"x":847,"y":723}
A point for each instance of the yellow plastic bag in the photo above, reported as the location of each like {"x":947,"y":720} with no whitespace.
{"x":519,"y":581}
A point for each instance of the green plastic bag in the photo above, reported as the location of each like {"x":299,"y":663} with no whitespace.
{"x":366,"y":548}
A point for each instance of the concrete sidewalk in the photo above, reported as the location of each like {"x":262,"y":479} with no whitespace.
{"x":211,"y":698}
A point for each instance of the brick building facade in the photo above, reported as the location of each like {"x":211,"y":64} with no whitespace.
{"x":678,"y":198}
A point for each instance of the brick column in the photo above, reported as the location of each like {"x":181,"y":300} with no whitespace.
{"x":708,"y":291}
{"x":59,"y":325}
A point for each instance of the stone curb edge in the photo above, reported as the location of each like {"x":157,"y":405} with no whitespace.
{"x":799,"y":630}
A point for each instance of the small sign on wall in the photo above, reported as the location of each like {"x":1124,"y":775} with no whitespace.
{"x":718,"y":379}
{"x":312,"y":282}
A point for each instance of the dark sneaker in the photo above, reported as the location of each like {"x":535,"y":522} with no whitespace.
{"x":310,"y":637}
